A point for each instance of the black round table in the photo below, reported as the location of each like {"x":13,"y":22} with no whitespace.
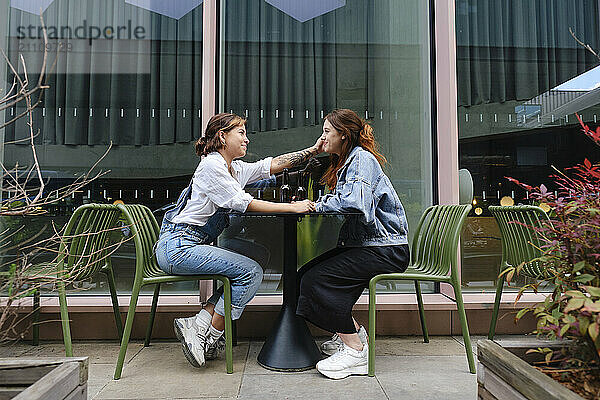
{"x":289,"y":346}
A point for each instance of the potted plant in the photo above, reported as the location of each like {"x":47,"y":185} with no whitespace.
{"x":569,"y":317}
{"x":567,"y":364}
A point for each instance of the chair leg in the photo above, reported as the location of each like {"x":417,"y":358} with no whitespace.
{"x":421,"y":312}
{"x":499,"y":288}
{"x":372,"y":305}
{"x":234,"y":332}
{"x":64,"y":317}
{"x":127,"y":331}
{"x":228,"y":329}
{"x":152,"y":314}
{"x":36,"y":318}
{"x":233,"y":323}
{"x":110,"y":277}
{"x":464,"y":326}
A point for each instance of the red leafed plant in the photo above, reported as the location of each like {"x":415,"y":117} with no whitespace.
{"x":594,"y":135}
{"x":571,"y":254}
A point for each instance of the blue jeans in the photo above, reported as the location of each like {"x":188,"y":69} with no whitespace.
{"x":181,"y":250}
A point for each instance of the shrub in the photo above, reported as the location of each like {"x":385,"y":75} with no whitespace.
{"x":571,"y":254}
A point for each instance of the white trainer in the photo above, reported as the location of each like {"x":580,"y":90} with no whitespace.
{"x":345,"y":362}
{"x":193,"y":339}
{"x":214,"y":347}
{"x":332,"y":346}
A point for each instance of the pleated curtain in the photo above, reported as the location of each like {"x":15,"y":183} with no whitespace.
{"x":517,"y":49}
{"x":130,"y":92}
{"x":282,"y":73}
{"x":279,"y":72}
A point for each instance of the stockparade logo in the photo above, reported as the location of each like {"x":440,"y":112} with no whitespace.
{"x":84,"y":31}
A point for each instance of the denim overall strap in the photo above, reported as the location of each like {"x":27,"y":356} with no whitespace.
{"x":216,"y":224}
{"x":172,"y":213}
{"x":211,"y":229}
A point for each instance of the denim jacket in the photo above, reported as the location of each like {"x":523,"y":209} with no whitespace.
{"x":362,"y":187}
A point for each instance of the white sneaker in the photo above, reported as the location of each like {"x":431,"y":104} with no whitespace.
{"x":345,"y":362}
{"x":193,"y":339}
{"x":332,"y":346}
{"x":214,"y":347}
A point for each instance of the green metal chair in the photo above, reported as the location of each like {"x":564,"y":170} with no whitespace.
{"x":520,"y":245}
{"x":84,"y":251}
{"x":434,"y":259}
{"x":145,"y":232}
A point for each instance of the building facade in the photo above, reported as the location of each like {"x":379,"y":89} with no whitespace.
{"x":490,"y":86}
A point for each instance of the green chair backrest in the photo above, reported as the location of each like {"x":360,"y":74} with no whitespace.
{"x":88,"y":240}
{"x":520,"y":241}
{"x":145,"y":231}
{"x":435,"y":243}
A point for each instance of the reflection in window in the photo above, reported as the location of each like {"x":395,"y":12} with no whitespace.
{"x":521,"y":77}
{"x":127,"y":72}
{"x":123,"y":74}
{"x":287,"y":64}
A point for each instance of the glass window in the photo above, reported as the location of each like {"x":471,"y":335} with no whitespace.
{"x":521,"y":77}
{"x":126,"y":72}
{"x":287,"y":64}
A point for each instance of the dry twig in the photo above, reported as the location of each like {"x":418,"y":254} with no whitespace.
{"x":585,"y":45}
{"x":23,"y":274}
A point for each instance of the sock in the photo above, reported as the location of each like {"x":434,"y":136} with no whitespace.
{"x":214,"y":332}
{"x":203,"y":319}
{"x":352,"y":349}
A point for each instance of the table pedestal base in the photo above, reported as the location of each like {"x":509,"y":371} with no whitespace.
{"x":290,"y":346}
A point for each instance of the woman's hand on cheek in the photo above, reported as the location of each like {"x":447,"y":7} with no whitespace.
{"x":319,"y":145}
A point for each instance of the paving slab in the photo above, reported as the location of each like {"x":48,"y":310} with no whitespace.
{"x":254,"y":368}
{"x":474,"y":339}
{"x":505,"y":340}
{"x":162,"y":372}
{"x":170,"y":398}
{"x":99,"y":375}
{"x":98,"y":352}
{"x":509,"y":340}
{"x":310,"y":385}
{"x":14,"y":349}
{"x":405,"y":368}
{"x":426,"y":378}
{"x":414,"y":346}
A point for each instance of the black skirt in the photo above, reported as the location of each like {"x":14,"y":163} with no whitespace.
{"x":331,"y":284}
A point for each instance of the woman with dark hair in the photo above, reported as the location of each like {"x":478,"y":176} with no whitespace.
{"x":372,"y":241}
{"x":202,"y":212}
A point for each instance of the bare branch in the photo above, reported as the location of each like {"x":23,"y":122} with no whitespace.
{"x":584,"y":45}
{"x":21,"y":273}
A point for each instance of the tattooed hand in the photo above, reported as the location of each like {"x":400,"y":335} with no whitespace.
{"x":296,"y":158}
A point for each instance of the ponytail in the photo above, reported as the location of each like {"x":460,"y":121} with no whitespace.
{"x":210,"y":141}
{"x":200,"y":146}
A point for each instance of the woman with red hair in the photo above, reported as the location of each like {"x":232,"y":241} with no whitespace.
{"x":373,"y":240}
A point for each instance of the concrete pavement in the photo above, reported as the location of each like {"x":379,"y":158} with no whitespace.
{"x":406,"y":368}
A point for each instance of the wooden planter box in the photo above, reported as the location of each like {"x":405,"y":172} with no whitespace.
{"x":503,"y":375}
{"x":45,"y":378}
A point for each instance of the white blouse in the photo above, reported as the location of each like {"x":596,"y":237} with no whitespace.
{"x":213,"y":187}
